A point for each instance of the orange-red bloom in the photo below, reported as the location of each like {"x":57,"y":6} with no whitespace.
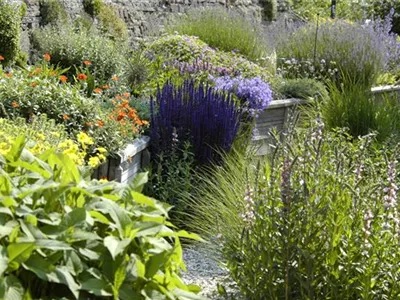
{"x":88,"y":124}
{"x":115,"y":78}
{"x":105,"y":87}
{"x":2,"y":57}
{"x":34,"y":84}
{"x":65,"y":117}
{"x":8,"y":75}
{"x":126,"y":95}
{"x":63,"y":78}
{"x":87,"y":62}
{"x":46,"y":57}
{"x":14,"y":104}
{"x":98,"y":90}
{"x":81,"y":76}
{"x":100,"y":123}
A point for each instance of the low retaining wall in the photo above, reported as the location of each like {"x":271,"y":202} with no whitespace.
{"x":390,"y":90}
{"x":125,"y":164}
{"x":275,"y":116}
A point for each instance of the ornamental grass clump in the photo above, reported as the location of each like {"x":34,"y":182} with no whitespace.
{"x":195,"y":113}
{"x":318,"y":219}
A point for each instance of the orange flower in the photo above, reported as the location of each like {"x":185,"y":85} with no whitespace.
{"x":98,"y":90}
{"x":87,"y":62}
{"x":115,"y":78}
{"x":81,"y":76}
{"x":145,"y":122}
{"x":126,"y":95}
{"x":65,"y":117}
{"x":46,"y":57}
{"x":37,"y":71}
{"x":34,"y":84}
{"x":52,"y":73}
{"x":88,"y":124}
{"x":100,"y":123}
{"x":105,"y":87}
{"x":14,"y":104}
{"x":1,"y":57}
{"x":121,"y":115}
{"x":63,"y":78}
{"x":8,"y":75}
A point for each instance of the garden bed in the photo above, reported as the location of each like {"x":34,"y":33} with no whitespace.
{"x":124,"y":165}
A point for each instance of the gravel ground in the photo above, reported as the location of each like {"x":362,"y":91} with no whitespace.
{"x":205,"y":271}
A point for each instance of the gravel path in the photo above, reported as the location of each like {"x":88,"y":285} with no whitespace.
{"x":205,"y":271}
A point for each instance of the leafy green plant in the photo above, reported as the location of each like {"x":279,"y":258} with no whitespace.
{"x":64,"y":237}
{"x":302,"y":88}
{"x":78,"y":46}
{"x":317,"y":219}
{"x":171,"y":178}
{"x":52,"y":12}
{"x":111,"y":25}
{"x":10,"y":32}
{"x":224,"y":30}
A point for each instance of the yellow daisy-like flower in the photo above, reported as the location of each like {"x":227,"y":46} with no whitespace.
{"x":40,"y":136}
{"x":84,"y":139}
{"x":94,"y":162}
{"x":102,"y":150}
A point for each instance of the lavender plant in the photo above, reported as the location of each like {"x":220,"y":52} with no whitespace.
{"x":254,"y":94}
{"x":196,"y":113}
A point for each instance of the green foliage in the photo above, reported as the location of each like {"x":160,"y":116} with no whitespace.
{"x":171,"y":179}
{"x":22,"y":59}
{"x":10,"y":32}
{"x":77,"y":46}
{"x":224,"y":30}
{"x":83,"y":22}
{"x":52,"y":12}
{"x":64,"y":237}
{"x":137,"y":71}
{"x":92,"y":7}
{"x":320,"y":218}
{"x":269,"y":9}
{"x":23,"y":9}
{"x":353,"y":107}
{"x":111,"y":25}
{"x":302,"y":88}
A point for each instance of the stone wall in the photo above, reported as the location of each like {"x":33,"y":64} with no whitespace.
{"x":141,"y":14}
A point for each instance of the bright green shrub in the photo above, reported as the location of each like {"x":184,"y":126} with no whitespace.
{"x":10,"y":32}
{"x":77,"y":46}
{"x":63,"y":237}
{"x":111,"y":25}
{"x":302,"y":88}
{"x":317,"y":220}
{"x":52,"y":12}
{"x":224,"y":30}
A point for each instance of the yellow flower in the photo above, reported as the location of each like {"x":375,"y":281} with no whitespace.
{"x":102,"y":150}
{"x":94,"y":162}
{"x":40,"y":136}
{"x":84,"y":139}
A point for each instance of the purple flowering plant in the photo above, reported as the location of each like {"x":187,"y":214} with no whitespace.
{"x":254,"y":94}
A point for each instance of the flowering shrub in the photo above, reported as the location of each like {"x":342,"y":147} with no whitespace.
{"x":198,"y":114}
{"x":42,"y":90}
{"x":254,"y":94}
{"x":80,"y":239}
{"x":10,"y":31}
{"x":42,"y":135}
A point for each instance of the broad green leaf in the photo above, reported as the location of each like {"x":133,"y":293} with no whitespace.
{"x":116,"y":246}
{"x":6,"y":211}
{"x":92,"y":255}
{"x":40,"y":266}
{"x":31,"y":231}
{"x":5,"y":185}
{"x":97,"y":287}
{"x":3,"y":260}
{"x":155,"y":263}
{"x":63,"y":275}
{"x":73,"y":218}
{"x":119,"y":278}
{"x":52,"y":245}
{"x":186,"y":295}
{"x":11,"y":288}
{"x":126,"y":292}
{"x":74,"y":263}
{"x":139,"y":181}
{"x":99,"y":217}
{"x":7,"y":229}
{"x":20,"y":252}
{"x":8,"y":202}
